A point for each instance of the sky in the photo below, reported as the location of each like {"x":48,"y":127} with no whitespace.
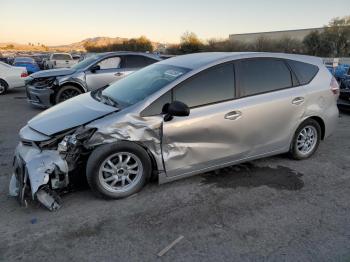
{"x":56,"y":22}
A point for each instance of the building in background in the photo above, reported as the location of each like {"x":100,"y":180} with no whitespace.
{"x":297,"y":34}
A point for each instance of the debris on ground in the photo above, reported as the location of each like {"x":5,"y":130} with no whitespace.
{"x":166,"y":249}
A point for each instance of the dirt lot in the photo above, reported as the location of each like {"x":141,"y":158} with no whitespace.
{"x":273,"y":209}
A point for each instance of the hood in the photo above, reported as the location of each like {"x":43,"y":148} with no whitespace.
{"x":53,"y":72}
{"x":74,"y":112}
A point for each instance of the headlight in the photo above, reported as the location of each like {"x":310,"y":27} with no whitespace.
{"x":71,"y":141}
{"x":43,"y":82}
{"x":66,"y":143}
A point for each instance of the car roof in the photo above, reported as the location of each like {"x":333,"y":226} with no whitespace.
{"x":24,"y":59}
{"x":199,"y":60}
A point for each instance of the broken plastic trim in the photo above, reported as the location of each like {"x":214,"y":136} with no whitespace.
{"x":36,"y":166}
{"x":48,"y":198}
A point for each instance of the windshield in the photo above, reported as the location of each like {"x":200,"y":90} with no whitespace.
{"x":143,"y":83}
{"x":86,"y":62}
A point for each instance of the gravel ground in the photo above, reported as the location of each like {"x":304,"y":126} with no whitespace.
{"x":274,"y":209}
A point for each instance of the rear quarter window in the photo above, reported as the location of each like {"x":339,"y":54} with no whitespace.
{"x":305,"y":72}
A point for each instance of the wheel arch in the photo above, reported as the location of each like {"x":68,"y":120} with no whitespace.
{"x":68,"y":83}
{"x":320,"y":121}
{"x":3,"y":80}
{"x":155,"y":167}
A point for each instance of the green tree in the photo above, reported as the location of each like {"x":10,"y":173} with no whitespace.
{"x":336,"y":37}
{"x":141,"y":44}
{"x":312,"y":43}
{"x":190,"y":43}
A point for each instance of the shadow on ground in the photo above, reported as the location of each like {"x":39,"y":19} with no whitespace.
{"x":250,"y":175}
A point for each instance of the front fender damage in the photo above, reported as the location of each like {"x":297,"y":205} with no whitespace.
{"x":43,"y":171}
{"x":130,"y":127}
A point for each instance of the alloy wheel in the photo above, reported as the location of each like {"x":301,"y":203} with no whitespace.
{"x":120,"y":172}
{"x":67,"y":94}
{"x":306,"y":140}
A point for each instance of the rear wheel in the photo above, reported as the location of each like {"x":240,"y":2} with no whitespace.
{"x":66,"y":92}
{"x":118,"y":170}
{"x":3,"y":87}
{"x":306,"y":140}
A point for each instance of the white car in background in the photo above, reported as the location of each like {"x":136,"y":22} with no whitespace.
{"x":60,"y":60}
{"x":11,"y":77}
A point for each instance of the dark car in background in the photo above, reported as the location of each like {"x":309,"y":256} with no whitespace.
{"x":50,"y":87}
{"x":344,"y":97}
{"x":39,"y":59}
{"x":27,"y":62}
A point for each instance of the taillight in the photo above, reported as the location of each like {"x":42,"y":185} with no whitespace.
{"x":24,"y":74}
{"x":334,"y":86}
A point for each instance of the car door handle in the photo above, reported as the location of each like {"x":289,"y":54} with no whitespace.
{"x":118,"y":74}
{"x":233,"y":115}
{"x":298,"y":100}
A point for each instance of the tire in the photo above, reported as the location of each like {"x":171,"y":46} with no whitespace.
{"x":66,"y":92}
{"x":3,"y":87}
{"x":310,"y":129}
{"x":100,"y":174}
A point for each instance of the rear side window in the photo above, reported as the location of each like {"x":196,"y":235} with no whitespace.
{"x":258,"y":76}
{"x":305,"y":72}
{"x":211,"y":86}
{"x":136,"y":61}
{"x":149,"y":61}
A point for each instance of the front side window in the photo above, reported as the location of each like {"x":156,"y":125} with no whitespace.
{"x":156,"y":108}
{"x":86,"y":62}
{"x":258,"y":76}
{"x":210,"y":86}
{"x":143,"y":83}
{"x":110,"y":63}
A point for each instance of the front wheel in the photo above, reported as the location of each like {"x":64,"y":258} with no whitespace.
{"x":118,"y":170}
{"x":66,"y":92}
{"x":306,"y":140}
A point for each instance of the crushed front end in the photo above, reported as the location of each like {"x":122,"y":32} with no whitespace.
{"x":42,"y":164}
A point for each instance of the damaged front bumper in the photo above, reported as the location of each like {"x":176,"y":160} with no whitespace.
{"x":37,"y":173}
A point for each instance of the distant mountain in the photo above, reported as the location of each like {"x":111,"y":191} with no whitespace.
{"x":78,"y":46}
{"x":96,"y":41}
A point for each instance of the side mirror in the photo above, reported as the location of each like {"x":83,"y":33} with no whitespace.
{"x":176,"y":108}
{"x":95,"y":68}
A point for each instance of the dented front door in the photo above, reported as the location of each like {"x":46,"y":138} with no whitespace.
{"x":210,"y":136}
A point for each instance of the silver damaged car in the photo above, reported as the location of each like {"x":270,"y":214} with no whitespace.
{"x":176,"y":118}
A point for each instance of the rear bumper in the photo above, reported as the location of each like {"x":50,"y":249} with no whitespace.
{"x":39,"y":97}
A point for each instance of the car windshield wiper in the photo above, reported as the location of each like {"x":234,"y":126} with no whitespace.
{"x":109,"y":100}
